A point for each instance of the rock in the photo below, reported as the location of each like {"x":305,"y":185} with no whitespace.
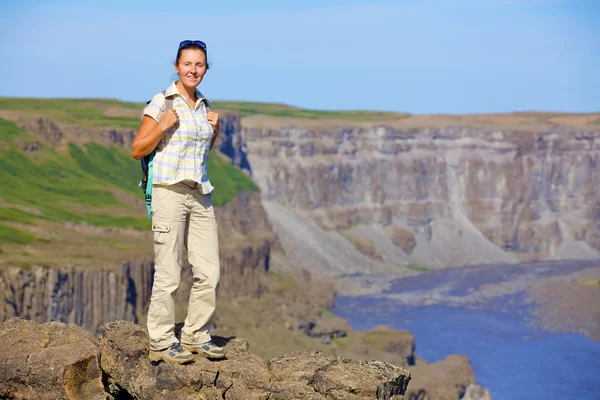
{"x":339,"y":377}
{"x":242,"y":375}
{"x":399,"y":344}
{"x":348,"y":379}
{"x":48,"y":361}
{"x":231,"y":141}
{"x":402,"y":238}
{"x":476,"y":392}
{"x":445,"y":379}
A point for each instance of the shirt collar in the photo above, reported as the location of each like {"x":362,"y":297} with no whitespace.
{"x":172,"y":90}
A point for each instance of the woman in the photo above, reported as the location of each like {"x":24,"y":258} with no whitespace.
{"x":182,"y":212}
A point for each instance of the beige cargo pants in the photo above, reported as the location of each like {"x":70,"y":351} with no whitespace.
{"x":183,"y":218}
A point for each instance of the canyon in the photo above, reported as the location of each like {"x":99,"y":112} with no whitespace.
{"x":351,"y":203}
{"x":349,"y":198}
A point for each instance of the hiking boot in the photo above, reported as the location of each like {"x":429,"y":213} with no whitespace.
{"x":171,"y":355}
{"x":207,"y":349}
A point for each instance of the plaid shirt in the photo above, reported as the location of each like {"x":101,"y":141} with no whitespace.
{"x":182,"y":153}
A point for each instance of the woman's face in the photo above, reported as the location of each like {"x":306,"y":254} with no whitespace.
{"x":191,"y":67}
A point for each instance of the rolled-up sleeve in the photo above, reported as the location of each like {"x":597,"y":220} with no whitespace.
{"x":155,"y":107}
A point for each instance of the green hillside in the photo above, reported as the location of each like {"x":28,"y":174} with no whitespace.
{"x":120,"y":114}
{"x":87,"y":176}
{"x":85,"y":185}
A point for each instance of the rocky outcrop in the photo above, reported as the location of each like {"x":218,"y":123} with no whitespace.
{"x":440,"y":196}
{"x":243,"y":375}
{"x":38,"y":361}
{"x":231,"y":141}
{"x":476,"y":392}
{"x":48,"y":362}
{"x":446,"y":379}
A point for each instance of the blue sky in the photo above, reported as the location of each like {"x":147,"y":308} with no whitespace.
{"x":444,"y":56}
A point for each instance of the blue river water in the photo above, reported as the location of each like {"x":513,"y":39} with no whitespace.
{"x":510,"y":356}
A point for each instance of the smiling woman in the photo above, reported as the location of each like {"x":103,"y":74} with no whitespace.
{"x":179,"y":128}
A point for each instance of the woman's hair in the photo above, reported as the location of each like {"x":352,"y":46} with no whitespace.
{"x":192,"y":46}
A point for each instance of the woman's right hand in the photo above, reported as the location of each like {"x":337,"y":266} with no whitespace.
{"x":168,"y":119}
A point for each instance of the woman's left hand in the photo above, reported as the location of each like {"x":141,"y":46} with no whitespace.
{"x":213,"y":119}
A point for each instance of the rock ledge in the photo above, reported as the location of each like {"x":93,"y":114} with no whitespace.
{"x":59,"y":361}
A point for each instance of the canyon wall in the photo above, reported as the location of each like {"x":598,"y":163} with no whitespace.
{"x":433,"y":196}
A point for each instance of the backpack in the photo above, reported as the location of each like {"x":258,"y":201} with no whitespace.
{"x":147,"y":162}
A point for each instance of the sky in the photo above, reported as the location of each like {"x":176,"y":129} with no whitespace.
{"x":419,"y":56}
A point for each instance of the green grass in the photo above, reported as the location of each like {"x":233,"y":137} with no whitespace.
{"x":9,"y":131}
{"x":284,"y":282}
{"x":91,"y":112}
{"x":227,"y":179}
{"x":327,"y":314}
{"x":69,"y":187}
{"x":85,"y":112}
{"x":104,"y":220}
{"x":282,"y":110}
{"x":589,"y":282}
{"x":16,"y":215}
{"x":50,"y":186}
{"x":414,"y":267}
{"x":113,"y":164}
{"x":8,"y":234}
{"x":340,"y":342}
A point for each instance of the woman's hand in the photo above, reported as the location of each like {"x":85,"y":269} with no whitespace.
{"x":151,"y":132}
{"x":213,"y":119}
{"x":168,"y":119}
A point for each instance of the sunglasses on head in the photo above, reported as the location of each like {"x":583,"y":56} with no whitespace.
{"x":187,"y":43}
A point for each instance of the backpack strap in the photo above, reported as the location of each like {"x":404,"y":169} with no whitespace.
{"x":168,"y":101}
{"x":150,"y":162}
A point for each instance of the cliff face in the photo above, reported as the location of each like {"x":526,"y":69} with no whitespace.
{"x":435,"y":196}
{"x":84,"y":296}
{"x":231,"y":141}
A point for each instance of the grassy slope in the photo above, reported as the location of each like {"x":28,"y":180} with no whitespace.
{"x":86,"y":176}
{"x":116,"y":113}
{"x":84,"y":185}
{"x":76,"y":111}
{"x":93,"y":112}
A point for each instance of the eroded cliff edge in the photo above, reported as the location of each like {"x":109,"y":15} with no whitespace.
{"x":433,"y":196}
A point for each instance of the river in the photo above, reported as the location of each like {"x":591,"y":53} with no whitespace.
{"x":461,"y":310}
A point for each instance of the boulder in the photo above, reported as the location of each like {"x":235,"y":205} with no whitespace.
{"x":48,"y":361}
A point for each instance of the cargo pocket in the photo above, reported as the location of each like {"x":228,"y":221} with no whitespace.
{"x":160,"y":233}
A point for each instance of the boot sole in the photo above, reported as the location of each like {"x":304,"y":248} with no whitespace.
{"x":155,"y":357}
{"x":201,"y":352}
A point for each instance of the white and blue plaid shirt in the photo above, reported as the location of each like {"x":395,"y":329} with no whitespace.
{"x":182,"y":153}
